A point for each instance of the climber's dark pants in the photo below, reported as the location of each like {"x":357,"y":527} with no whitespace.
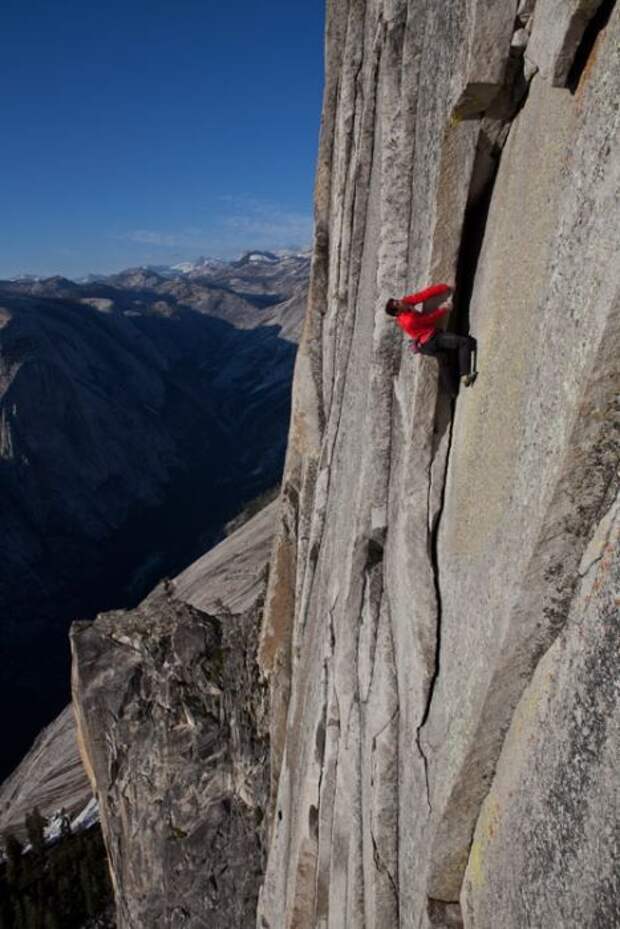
{"x":442,"y":342}
{"x":442,"y":345}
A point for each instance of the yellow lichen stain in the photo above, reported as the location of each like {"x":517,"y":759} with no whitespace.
{"x":488,"y":824}
{"x":474,"y":867}
{"x":299,"y":432}
{"x":527,"y":710}
{"x":83,"y":748}
{"x":304,"y":901}
{"x":531,"y":703}
{"x":279,"y":609}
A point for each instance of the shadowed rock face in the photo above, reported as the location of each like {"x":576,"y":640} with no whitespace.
{"x":172,"y":729}
{"x":427,"y":565}
{"x":136,"y":417}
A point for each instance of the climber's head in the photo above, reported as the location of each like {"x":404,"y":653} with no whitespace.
{"x":393,"y":307}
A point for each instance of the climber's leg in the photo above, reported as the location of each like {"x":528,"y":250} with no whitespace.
{"x":447,"y":375}
{"x":466,"y":346}
{"x":474,"y":357}
{"x":467,"y":360}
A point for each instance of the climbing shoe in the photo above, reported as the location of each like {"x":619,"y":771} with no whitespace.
{"x":468,"y":379}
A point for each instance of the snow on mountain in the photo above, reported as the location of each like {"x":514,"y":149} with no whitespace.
{"x":201,"y":264}
{"x":184,"y":267}
{"x":87,"y":818}
{"x":260,"y":257}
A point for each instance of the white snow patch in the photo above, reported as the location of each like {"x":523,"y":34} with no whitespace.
{"x":202,"y":264}
{"x":184,"y":267}
{"x":87,"y":818}
{"x":103,"y":304}
{"x":256,"y":256}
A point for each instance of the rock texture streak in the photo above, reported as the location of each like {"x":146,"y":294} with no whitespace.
{"x":439,"y":630}
{"x":51,"y":777}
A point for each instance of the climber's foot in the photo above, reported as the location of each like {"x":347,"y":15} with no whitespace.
{"x":468,"y":379}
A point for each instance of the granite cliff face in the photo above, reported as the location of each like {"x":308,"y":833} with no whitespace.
{"x":437,"y":641}
{"x":439,"y":624}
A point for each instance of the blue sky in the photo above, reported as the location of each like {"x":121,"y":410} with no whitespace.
{"x":149,"y":131}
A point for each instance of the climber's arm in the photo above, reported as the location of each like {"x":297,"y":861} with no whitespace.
{"x":435,"y":292}
{"x":436,"y":314}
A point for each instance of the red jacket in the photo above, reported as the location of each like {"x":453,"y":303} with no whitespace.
{"x":420,"y":326}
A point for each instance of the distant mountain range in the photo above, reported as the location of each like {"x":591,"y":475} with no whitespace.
{"x":281,"y":260}
{"x":138,"y":413}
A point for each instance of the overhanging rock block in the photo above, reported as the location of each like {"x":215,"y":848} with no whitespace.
{"x":558,"y":28}
{"x":488,"y":38}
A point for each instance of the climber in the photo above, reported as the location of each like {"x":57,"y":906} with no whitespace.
{"x":426,"y":338}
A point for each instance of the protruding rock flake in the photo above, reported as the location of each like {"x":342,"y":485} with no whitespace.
{"x":558,"y":29}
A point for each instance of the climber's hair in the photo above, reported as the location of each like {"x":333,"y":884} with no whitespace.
{"x":391,"y":307}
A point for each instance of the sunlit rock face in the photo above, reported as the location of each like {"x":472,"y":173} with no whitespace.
{"x":435,"y":655}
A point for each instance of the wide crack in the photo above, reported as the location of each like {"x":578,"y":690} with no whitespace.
{"x":484,"y":173}
{"x":586,"y":47}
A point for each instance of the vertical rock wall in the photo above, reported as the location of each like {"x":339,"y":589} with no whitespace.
{"x":426,"y":575}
